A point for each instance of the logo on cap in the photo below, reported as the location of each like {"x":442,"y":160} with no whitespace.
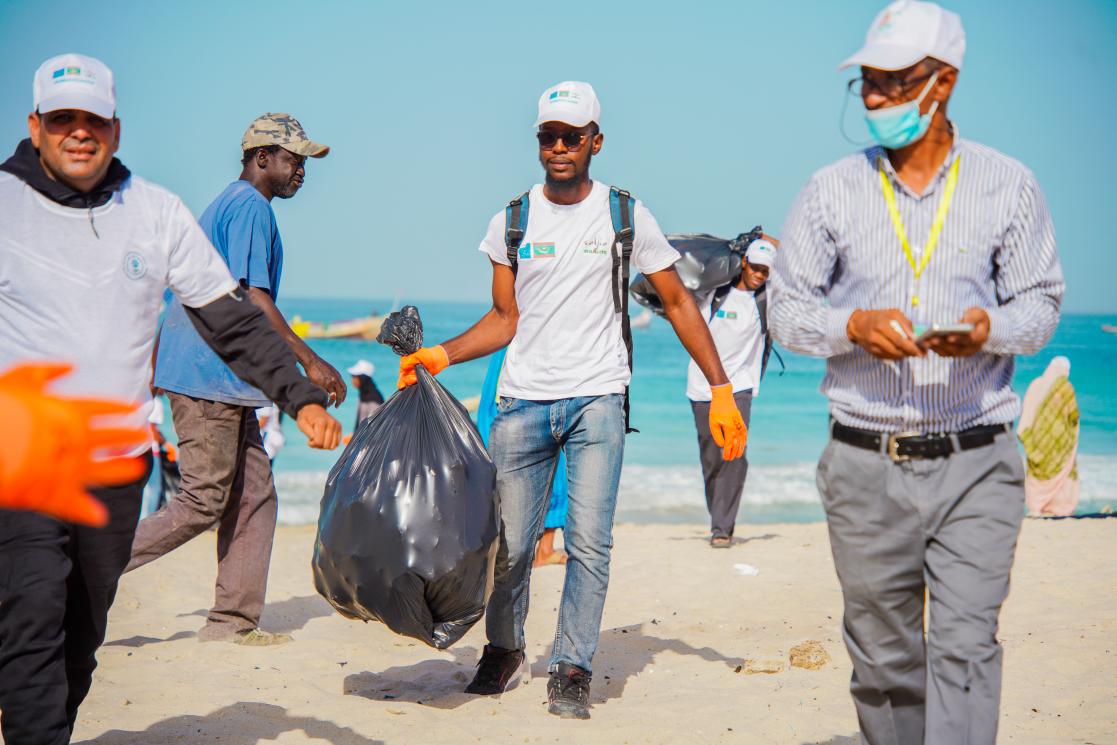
{"x":564,"y":96}
{"x":73,"y":74}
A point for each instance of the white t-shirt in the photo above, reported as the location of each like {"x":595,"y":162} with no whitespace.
{"x":84,"y":286}
{"x":736,"y":332}
{"x":568,"y":342}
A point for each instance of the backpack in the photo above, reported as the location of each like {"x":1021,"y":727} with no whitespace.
{"x":621,"y":209}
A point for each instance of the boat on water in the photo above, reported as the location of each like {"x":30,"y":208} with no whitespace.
{"x":1108,"y":328}
{"x":366,"y":327}
{"x":642,"y":321}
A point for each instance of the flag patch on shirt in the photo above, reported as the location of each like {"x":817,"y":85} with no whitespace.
{"x":537,"y":251}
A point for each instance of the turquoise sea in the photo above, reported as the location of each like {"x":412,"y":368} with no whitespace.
{"x":661,"y":479}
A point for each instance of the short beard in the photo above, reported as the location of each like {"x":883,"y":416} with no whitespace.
{"x":571,"y":185}
{"x":289,"y":190}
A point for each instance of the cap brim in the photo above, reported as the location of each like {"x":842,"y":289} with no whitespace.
{"x":573,"y":121}
{"x":884,"y":57}
{"x":307,"y":148}
{"x":76,"y":100}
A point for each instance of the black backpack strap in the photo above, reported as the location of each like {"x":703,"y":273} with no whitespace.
{"x":761,"y":298}
{"x":621,"y":209}
{"x":515,"y":225}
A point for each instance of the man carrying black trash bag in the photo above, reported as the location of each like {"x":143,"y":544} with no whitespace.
{"x":560,"y":276}
{"x":409,"y":515}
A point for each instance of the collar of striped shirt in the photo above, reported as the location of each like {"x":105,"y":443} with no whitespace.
{"x":840,"y":253}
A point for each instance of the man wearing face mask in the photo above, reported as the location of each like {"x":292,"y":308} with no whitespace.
{"x":86,"y":252}
{"x":921,"y":481}
{"x":226,"y":472}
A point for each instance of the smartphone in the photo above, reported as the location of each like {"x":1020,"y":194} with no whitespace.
{"x":942,"y":329}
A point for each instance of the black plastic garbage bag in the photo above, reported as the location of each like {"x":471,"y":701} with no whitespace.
{"x":409,"y":517}
{"x":707,"y":263}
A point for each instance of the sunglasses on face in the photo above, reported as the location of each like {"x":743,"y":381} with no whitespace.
{"x":571,"y":140}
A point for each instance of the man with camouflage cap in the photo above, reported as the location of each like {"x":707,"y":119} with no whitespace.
{"x":226,"y":474}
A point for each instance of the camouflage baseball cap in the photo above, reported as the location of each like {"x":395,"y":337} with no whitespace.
{"x":283,"y":130}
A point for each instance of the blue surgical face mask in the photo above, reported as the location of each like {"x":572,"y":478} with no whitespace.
{"x":895,"y":127}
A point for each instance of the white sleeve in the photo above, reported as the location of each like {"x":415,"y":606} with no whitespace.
{"x":650,"y":251}
{"x":195,"y":271}
{"x":493,"y":243}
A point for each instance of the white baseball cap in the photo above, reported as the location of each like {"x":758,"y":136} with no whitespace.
{"x":907,"y":31}
{"x":761,"y":253}
{"x":74,"y":81}
{"x":569,"y":102}
{"x":363,"y":367}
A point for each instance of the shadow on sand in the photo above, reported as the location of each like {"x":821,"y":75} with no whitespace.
{"x":242,"y":723}
{"x":627,"y":651}
{"x":143,"y":641}
{"x":623,"y":652}
{"x":737,"y":540}
{"x":438,"y":682}
{"x":282,"y":618}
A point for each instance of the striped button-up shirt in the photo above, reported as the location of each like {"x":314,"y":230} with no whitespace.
{"x":840,"y":252}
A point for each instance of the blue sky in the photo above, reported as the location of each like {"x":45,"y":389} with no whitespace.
{"x":714,"y":113}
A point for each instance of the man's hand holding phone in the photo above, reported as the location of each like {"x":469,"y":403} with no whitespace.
{"x":957,"y":341}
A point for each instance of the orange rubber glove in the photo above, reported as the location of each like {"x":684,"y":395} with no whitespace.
{"x":47,"y":445}
{"x":434,"y":359}
{"x":726,"y":424}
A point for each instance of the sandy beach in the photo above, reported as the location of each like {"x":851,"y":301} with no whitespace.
{"x":683,"y":628}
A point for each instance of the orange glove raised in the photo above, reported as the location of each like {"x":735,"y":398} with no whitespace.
{"x":726,"y":424}
{"x":434,"y":359}
{"x":47,"y":445}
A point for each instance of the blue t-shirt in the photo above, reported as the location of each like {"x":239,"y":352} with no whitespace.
{"x":241,"y":225}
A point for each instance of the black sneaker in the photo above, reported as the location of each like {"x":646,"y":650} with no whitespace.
{"x":497,"y":671}
{"x":568,"y":692}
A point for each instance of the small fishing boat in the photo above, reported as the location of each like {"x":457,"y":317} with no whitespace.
{"x":642,"y":321}
{"x":352,"y":328}
{"x":1109,"y":329}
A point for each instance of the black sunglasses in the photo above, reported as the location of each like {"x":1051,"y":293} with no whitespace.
{"x":571,"y":140}
{"x":889,"y":86}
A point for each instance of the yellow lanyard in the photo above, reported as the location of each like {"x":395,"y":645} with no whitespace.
{"x":936,"y":226}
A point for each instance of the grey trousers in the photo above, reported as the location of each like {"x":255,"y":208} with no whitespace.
{"x":226,"y":481}
{"x":725,"y":481}
{"x":947,"y":526}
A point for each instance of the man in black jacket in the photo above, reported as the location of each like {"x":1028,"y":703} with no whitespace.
{"x":87,"y":251}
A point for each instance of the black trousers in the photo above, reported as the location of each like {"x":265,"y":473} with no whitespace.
{"x":57,"y":583}
{"x":725,"y":482}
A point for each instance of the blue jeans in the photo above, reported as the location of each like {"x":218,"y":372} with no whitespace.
{"x":525,"y":442}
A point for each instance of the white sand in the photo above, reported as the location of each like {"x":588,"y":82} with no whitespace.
{"x":678,"y":623}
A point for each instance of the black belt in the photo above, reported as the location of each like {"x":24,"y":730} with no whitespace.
{"x":903,"y":446}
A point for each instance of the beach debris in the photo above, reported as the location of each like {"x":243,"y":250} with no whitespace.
{"x":746,"y":570}
{"x":767,"y":667}
{"x":810,"y":655}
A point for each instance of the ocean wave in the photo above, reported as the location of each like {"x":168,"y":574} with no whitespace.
{"x":773,"y":492}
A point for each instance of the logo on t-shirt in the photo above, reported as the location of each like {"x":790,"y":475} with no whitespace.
{"x":595,"y":246}
{"x":730,"y":315}
{"x":135,"y":266}
{"x":537,"y":251}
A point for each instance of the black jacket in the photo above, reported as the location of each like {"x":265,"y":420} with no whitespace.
{"x":232,"y":325}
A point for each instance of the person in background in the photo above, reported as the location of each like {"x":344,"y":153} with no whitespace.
{"x":271,"y":430}
{"x":737,"y":317}
{"x":1048,"y":429}
{"x":560,"y":306}
{"x":71,"y":211}
{"x":370,"y":398}
{"x":922,"y":482}
{"x":226,"y":473}
{"x":555,"y":519}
